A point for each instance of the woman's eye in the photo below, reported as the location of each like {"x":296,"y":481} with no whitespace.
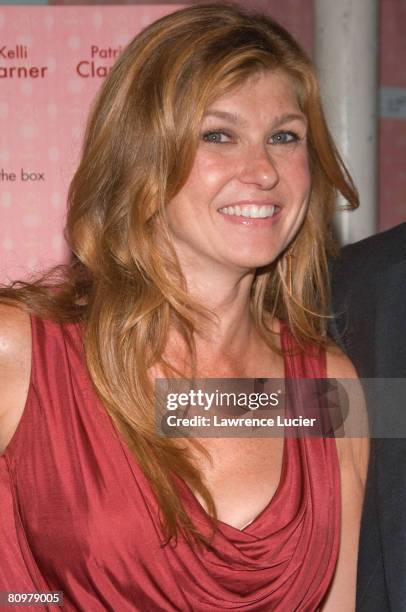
{"x":216,"y":137}
{"x":284,"y":138}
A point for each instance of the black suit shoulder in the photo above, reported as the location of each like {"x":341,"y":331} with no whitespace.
{"x":369,"y":301}
{"x":374,"y":255}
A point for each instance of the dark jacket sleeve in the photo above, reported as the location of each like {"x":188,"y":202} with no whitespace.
{"x":369,"y":307}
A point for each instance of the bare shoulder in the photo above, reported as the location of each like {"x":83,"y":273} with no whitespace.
{"x":353,"y":448}
{"x":15,"y":367}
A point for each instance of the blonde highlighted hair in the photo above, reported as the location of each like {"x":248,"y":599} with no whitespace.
{"x":124,"y":283}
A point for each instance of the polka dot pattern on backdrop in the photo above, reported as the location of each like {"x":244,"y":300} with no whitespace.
{"x":42,"y":119}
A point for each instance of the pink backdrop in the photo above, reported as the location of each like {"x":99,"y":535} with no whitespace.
{"x":52,"y":61}
{"x":43,"y":115}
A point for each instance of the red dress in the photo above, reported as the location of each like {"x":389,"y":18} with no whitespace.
{"x":77,"y":515}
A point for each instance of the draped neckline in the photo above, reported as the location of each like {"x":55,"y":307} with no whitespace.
{"x":198,"y":508}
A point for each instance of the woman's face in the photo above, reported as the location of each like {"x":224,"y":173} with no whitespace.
{"x":248,"y":190}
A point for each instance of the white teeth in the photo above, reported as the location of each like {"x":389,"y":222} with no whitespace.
{"x":253,"y":212}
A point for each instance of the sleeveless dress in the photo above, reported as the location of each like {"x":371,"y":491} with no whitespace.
{"x":77,"y":514}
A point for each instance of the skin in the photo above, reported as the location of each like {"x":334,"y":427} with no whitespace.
{"x":253,"y":157}
{"x":257,"y":157}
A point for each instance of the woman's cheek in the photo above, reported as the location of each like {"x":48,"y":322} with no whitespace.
{"x":212,"y":170}
{"x":299,"y":167}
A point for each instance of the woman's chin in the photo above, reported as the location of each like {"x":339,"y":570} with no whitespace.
{"x":251,"y":263}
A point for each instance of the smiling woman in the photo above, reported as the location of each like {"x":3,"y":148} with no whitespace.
{"x":252,"y":183}
{"x":200,"y":225}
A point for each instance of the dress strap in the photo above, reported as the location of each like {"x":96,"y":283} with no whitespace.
{"x":301,"y":363}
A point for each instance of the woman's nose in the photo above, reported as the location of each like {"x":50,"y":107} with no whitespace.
{"x":258,"y":168}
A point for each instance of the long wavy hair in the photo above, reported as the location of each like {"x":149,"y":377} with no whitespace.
{"x":124,"y":284}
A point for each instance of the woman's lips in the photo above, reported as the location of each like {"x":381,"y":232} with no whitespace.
{"x":251,"y":215}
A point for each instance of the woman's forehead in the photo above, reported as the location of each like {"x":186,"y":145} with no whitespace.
{"x":275,"y":86}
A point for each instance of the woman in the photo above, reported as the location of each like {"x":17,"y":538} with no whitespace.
{"x":199,"y":218}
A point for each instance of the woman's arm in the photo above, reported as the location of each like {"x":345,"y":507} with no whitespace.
{"x":353,"y":453}
{"x":15,"y":366}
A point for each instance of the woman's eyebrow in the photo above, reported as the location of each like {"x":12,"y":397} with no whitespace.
{"x":290,"y":117}
{"x":237,"y":119}
{"x":232,"y":117}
